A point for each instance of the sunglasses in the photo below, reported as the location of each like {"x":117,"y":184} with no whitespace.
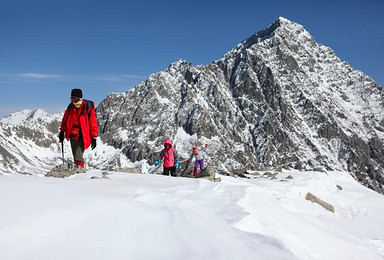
{"x":75,"y":99}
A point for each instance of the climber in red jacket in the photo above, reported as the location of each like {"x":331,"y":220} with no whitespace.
{"x":170,"y":159}
{"x":79,"y":125}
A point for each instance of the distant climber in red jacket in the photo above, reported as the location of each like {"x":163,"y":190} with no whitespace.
{"x":170,"y":158}
{"x":79,"y":125}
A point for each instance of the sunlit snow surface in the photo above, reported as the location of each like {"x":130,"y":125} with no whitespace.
{"x":147,"y":216}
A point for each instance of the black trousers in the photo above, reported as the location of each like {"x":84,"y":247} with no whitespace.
{"x":77,"y":149}
{"x":171,"y":170}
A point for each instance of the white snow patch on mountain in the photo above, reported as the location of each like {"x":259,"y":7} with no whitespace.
{"x":28,"y":116}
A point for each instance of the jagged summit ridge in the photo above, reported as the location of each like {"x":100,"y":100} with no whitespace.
{"x":180,"y":65}
{"x":280,"y":28}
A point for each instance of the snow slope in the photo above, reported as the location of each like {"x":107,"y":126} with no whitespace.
{"x":157,"y":217}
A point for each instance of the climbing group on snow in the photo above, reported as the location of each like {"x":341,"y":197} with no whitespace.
{"x":79,"y":127}
{"x":171,"y":163}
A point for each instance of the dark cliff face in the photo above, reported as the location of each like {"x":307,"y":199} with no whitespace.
{"x":277,"y":99}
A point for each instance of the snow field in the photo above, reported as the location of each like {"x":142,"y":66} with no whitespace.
{"x":127,"y":216}
{"x":158,"y":217}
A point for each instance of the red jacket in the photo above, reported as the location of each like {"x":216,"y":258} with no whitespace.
{"x":85,"y":117}
{"x":169,"y":156}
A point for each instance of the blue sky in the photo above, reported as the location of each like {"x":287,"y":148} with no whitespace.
{"x":48,"y":47}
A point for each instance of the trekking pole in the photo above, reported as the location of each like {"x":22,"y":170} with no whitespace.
{"x":154,"y":169}
{"x":183,"y":172}
{"x":113,"y":157}
{"x":62,"y":151}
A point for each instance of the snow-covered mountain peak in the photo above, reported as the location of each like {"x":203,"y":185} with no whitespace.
{"x":29,"y":117}
{"x":284,"y":20}
{"x":278,"y":98}
{"x":281,"y":32}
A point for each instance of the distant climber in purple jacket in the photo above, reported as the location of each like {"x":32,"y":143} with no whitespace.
{"x":199,"y":159}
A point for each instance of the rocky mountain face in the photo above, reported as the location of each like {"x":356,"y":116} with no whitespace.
{"x":278,"y":98}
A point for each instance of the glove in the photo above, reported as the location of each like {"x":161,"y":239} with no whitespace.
{"x":157,"y":162}
{"x":177,"y":164}
{"x":61,"y":136}
{"x":187,"y":161}
{"x":93,"y":144}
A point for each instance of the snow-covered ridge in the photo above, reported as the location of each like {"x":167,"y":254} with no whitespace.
{"x":30,"y":117}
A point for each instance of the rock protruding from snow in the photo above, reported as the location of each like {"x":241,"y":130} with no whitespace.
{"x":65,"y":170}
{"x":315,"y":199}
